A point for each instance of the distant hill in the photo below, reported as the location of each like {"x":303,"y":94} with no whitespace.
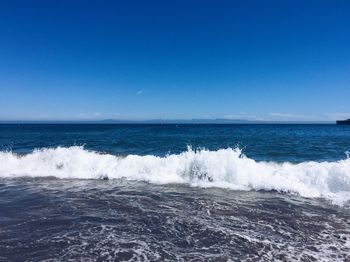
{"x":162,"y":121}
{"x":175,"y":121}
{"x":122,"y":121}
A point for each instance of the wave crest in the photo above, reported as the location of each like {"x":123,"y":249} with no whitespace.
{"x":227,"y":168}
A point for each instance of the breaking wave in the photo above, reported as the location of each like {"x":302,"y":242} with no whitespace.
{"x":226,"y":168}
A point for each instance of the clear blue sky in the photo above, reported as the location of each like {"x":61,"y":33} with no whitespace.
{"x":274,"y":60}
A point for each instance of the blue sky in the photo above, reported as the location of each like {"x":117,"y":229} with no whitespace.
{"x":269,"y":60}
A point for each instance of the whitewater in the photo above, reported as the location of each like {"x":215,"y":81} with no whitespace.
{"x":223,"y":168}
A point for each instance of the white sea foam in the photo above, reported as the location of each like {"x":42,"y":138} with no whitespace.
{"x":226,"y":168}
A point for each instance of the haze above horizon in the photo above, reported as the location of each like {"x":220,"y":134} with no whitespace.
{"x":138,"y":60}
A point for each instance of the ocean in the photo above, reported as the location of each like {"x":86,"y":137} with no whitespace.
{"x":95,"y":192}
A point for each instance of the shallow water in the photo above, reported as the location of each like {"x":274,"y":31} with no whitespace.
{"x":116,"y":219}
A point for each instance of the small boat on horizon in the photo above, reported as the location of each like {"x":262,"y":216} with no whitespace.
{"x":343,"y":122}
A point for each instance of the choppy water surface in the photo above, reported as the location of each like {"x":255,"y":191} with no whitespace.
{"x":139,"y":193}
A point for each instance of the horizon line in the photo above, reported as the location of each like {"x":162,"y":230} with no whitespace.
{"x":164,"y":121}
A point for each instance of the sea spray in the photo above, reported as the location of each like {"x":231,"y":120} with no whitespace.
{"x":226,"y":168}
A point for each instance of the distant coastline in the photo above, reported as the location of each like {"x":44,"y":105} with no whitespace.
{"x":218,"y":121}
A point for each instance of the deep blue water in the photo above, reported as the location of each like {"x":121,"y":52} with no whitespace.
{"x":281,"y":142}
{"x":138,"y":193}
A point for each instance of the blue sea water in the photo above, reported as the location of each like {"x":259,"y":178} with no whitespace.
{"x":278,"y":142}
{"x":92,"y":192}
